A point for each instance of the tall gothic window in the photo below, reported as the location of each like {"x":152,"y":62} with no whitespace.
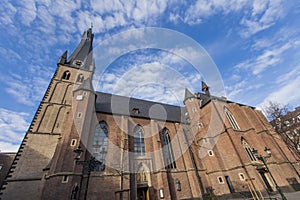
{"x":80,"y":78}
{"x":100,"y":145}
{"x":231,"y":119}
{"x":66,"y":75}
{"x":248,"y":149}
{"x":138,"y":141}
{"x":167,"y":149}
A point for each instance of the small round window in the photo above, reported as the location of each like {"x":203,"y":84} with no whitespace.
{"x":78,"y":62}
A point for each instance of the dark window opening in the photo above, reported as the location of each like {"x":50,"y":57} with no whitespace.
{"x":135,"y":111}
{"x":168,"y":149}
{"x":229,"y":183}
{"x":66,"y":75}
{"x":138,"y":141}
{"x":248,"y":149}
{"x":80,"y":78}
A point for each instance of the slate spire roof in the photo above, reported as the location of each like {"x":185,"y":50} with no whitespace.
{"x":82,"y":56}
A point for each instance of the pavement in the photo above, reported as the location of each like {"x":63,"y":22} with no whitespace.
{"x":289,"y":196}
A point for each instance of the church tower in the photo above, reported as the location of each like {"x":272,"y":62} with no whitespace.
{"x":38,"y":158}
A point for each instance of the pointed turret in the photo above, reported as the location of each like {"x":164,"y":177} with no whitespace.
{"x":82,"y":57}
{"x":63,"y":58}
{"x":188,"y":94}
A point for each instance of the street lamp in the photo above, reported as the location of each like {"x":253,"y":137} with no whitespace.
{"x":89,"y":165}
{"x":264,"y":159}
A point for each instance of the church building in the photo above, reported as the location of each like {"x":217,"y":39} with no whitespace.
{"x":85,"y":144}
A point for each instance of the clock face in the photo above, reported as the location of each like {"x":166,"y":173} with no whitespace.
{"x":78,"y":63}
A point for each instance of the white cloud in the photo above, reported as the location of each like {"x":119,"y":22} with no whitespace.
{"x":259,"y":7}
{"x":7,"y":12}
{"x":267,"y":59}
{"x":287,"y":93}
{"x":292,"y":74}
{"x":149,"y":77}
{"x":21,"y":87}
{"x":47,"y":24}
{"x":13,"y":127}
{"x":152,"y":81}
{"x":239,"y":89}
{"x":203,"y":9}
{"x":264,"y":15}
{"x":8,"y":147}
{"x":9,"y":54}
{"x":122,"y":13}
{"x":27,"y":11}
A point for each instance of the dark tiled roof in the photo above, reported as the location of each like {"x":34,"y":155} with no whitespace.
{"x":206,"y":98}
{"x":86,"y":85}
{"x":121,"y":105}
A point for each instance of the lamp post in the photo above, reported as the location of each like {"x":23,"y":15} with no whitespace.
{"x":89,"y":165}
{"x":264,"y":159}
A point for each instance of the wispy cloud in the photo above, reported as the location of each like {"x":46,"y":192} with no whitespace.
{"x":285,"y":94}
{"x":265,"y":60}
{"x":7,"y":13}
{"x":291,"y":75}
{"x":22,"y":88}
{"x":27,"y":11}
{"x":156,"y":82}
{"x":202,"y":9}
{"x":264,"y":15}
{"x":158,"y":77}
{"x":12,"y":126}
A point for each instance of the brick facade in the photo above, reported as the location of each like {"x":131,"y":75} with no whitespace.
{"x":207,"y":148}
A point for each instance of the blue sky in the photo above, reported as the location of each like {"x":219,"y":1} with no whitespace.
{"x":254,"y":44}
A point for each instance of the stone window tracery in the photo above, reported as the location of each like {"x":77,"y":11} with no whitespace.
{"x":231,"y":119}
{"x":248,"y":149}
{"x":100,"y":145}
{"x":138,"y":141}
{"x":168,"y":149}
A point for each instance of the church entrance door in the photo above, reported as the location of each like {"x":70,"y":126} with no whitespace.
{"x":263,"y":173}
{"x":142,"y":193}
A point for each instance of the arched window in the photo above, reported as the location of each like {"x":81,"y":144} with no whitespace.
{"x":138,"y":141}
{"x":74,"y":192}
{"x":80,"y":78}
{"x":167,"y":149}
{"x":66,"y":75}
{"x":100,"y":145}
{"x":231,"y":119}
{"x":248,"y":149}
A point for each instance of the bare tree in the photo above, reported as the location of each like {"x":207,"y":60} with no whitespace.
{"x":286,"y":123}
{"x":275,"y":110}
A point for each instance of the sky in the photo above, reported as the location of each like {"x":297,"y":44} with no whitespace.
{"x":254,"y":45}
